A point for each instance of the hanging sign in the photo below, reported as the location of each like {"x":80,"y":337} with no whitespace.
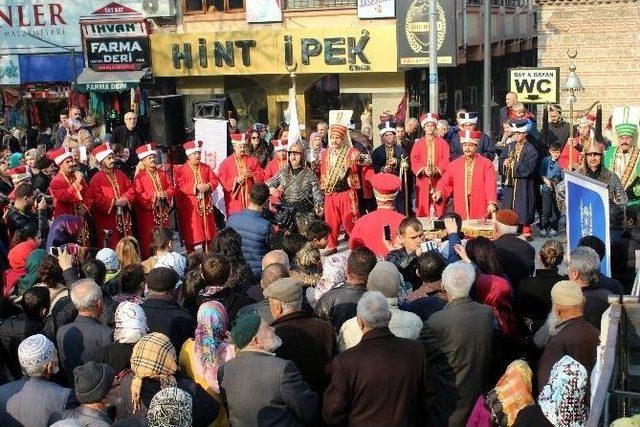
{"x":372,"y":9}
{"x":118,"y":53}
{"x":535,"y":85}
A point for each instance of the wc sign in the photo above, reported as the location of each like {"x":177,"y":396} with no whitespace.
{"x":535,"y":85}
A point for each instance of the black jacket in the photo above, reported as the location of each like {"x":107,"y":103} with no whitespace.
{"x":597,"y":301}
{"x":407,"y":264}
{"x":533,"y":297}
{"x":12,"y":332}
{"x":231,"y":299}
{"x":117,"y":355}
{"x":517,"y":258}
{"x":16,"y":219}
{"x":165,"y":315}
{"x":310,"y":343}
{"x":340,"y":304}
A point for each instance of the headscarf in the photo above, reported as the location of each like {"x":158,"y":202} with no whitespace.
{"x":563,"y":398}
{"x":18,"y":254}
{"x":64,"y":229}
{"x":174,"y":261}
{"x":512,"y":393}
{"x":170,"y":407}
{"x":14,"y":160}
{"x":152,"y":357}
{"x":130,"y":323}
{"x":334,"y":273}
{"x":27,"y":281}
{"x":211,"y":341}
{"x":259,"y":127}
{"x":109,"y":258}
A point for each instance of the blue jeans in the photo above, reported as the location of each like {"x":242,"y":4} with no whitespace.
{"x":550,"y":212}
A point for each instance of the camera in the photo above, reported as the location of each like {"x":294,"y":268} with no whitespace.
{"x":42,"y":196}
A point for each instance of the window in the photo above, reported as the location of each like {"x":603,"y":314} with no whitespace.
{"x":207,"y":6}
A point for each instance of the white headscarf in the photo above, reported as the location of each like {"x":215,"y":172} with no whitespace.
{"x":130,"y":323}
{"x":174,"y":261}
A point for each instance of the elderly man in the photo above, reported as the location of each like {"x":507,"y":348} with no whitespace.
{"x":624,"y":160}
{"x":468,"y":122}
{"x":516,"y":256}
{"x":339,"y":304}
{"x":510,"y":99}
{"x":386,"y":279}
{"x":31,"y":400}
{"x":583,"y":269}
{"x":61,"y":133}
{"x":259,"y":387}
{"x":92,"y":383}
{"x":129,"y":134}
{"x":429,"y":159}
{"x":112,"y":196}
{"x":519,"y":165}
{"x":458,"y":341}
{"x":79,"y":340}
{"x":381,"y":381}
{"x":270,"y":274}
{"x":307,"y":341}
{"x":571,"y":334}
{"x":412,"y":128}
{"x":470,"y":179}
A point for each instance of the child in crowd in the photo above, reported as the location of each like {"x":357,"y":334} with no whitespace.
{"x":551,"y":174}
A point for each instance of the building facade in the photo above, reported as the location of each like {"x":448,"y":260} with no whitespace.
{"x":606,"y":36}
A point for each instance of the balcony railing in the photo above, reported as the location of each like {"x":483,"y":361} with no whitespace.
{"x":318,"y":4}
{"x":506,"y":3}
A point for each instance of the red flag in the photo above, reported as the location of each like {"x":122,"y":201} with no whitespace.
{"x":402,"y":109}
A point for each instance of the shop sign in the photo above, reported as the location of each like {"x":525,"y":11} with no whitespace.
{"x":412,"y":17}
{"x":114,"y":29}
{"x":57,"y":21}
{"x":535,"y":85}
{"x":341,"y":50}
{"x":371,"y":9}
{"x":118,"y":54}
{"x":107,"y":86}
{"x":9,"y":70}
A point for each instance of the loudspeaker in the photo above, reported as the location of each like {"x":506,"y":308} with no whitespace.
{"x":212,"y":109}
{"x":166,"y":120}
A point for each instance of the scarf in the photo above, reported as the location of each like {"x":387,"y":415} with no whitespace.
{"x":563,"y":398}
{"x":153,"y":357}
{"x":211,"y":341}
{"x":19,"y":253}
{"x":130,"y":323}
{"x":27,"y":281}
{"x":64,"y":229}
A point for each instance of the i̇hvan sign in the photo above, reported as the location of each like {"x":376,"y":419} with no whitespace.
{"x":535,"y":85}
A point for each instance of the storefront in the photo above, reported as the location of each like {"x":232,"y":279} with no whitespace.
{"x":348,"y":67}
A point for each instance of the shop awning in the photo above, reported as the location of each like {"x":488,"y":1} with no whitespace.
{"x":49,"y":68}
{"x":114,"y":81}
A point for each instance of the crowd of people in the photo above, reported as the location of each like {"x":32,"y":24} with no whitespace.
{"x":110,"y":315}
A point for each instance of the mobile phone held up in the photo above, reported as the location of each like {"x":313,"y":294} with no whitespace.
{"x":387,"y":232}
{"x":438,"y":224}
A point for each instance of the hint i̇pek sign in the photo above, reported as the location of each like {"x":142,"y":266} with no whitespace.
{"x":535,"y":85}
{"x":341,"y":50}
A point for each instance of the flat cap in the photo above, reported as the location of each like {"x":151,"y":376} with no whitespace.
{"x":285,"y":290}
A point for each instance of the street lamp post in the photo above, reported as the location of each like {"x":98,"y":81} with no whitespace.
{"x":571,"y":86}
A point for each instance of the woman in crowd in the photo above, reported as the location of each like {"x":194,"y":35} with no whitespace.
{"x":50,"y":276}
{"x":131,"y":284}
{"x":30,"y":277}
{"x":161,"y":243}
{"x":308,"y":266}
{"x":228,"y":243}
{"x":128,"y":251}
{"x":130,"y":327}
{"x":18,"y":259}
{"x":65,"y":229}
{"x":259,"y":148}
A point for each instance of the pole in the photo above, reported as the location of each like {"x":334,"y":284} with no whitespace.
{"x":486,"y":84}
{"x":74,"y":72}
{"x":570,"y":142}
{"x":433,"y":57}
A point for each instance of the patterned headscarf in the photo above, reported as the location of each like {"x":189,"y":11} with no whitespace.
{"x":512,"y":393}
{"x":153,"y":357}
{"x":259,"y":127}
{"x":563,"y":398}
{"x":211,"y":341}
{"x":109,"y":258}
{"x":130,"y":323}
{"x":14,"y":160}
{"x":170,"y":407}
{"x":173,"y":260}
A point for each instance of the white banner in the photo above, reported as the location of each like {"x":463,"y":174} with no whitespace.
{"x":9,"y":70}
{"x":213,"y":134}
{"x":263,"y":11}
{"x":372,"y":9}
{"x":58,"y":22}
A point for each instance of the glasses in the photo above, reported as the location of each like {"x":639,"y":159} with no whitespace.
{"x":254,"y":137}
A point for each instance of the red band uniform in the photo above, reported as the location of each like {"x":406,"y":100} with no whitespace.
{"x":68,"y":188}
{"x":151,"y":211}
